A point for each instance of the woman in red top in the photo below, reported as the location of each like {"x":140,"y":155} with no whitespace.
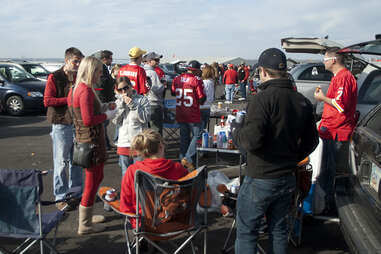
{"x":88,"y":115}
{"x":150,"y":146}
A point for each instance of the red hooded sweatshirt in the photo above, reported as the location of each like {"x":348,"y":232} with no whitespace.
{"x":162,"y":167}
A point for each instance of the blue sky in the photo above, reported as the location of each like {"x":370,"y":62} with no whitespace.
{"x":45,"y":28}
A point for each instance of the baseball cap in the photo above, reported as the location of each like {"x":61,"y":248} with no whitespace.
{"x":273,"y":58}
{"x":194,"y":65}
{"x":231,"y":65}
{"x":151,"y":56}
{"x":136,"y":52}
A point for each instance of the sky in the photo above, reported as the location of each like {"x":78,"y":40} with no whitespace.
{"x":178,"y":28}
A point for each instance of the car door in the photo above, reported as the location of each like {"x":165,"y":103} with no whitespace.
{"x":365,"y":154}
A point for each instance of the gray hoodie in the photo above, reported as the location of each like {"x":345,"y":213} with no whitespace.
{"x":155,"y":94}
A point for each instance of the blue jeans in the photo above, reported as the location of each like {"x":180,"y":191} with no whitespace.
{"x":125,"y":161}
{"x":242,"y":89}
{"x":205,"y":115}
{"x":260,"y":197}
{"x":229,"y":92}
{"x":335,"y":156}
{"x":188,"y":145}
{"x":62,"y":139}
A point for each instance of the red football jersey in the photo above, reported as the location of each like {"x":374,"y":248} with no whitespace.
{"x":159,"y":72}
{"x":339,"y":120}
{"x":189,"y":90}
{"x":137,"y":76}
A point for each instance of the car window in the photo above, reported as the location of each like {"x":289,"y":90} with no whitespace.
{"x":370,"y":92}
{"x":316,"y":73}
{"x":35,"y":70}
{"x":374,"y":123}
{"x":14,"y":74}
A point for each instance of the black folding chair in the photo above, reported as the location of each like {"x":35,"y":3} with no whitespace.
{"x":20,"y":214}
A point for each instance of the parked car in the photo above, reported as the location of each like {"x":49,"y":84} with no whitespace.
{"x":37,"y":70}
{"x":308,"y":76}
{"x":19,"y":90}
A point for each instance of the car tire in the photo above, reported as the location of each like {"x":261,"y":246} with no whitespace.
{"x":15,"y":105}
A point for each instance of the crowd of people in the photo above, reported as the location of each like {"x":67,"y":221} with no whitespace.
{"x":279,"y":130}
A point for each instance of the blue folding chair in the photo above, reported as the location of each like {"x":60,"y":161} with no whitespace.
{"x":20,"y":213}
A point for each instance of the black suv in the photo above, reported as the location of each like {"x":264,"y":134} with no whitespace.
{"x":19,"y":90}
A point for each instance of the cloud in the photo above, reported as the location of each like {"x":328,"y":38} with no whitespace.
{"x":185,"y":28}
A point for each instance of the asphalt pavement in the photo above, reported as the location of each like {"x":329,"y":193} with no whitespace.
{"x":25,"y":143}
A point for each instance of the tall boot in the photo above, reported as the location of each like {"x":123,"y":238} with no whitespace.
{"x":86,"y":221}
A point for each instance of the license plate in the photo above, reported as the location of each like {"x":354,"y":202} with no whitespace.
{"x":375,"y":177}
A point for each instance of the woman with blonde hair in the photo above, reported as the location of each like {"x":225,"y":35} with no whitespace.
{"x":208,"y":77}
{"x":149,"y":145}
{"x":88,"y":115}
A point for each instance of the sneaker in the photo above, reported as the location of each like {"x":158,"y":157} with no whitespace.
{"x":241,"y":99}
{"x":187,"y":164}
{"x":62,"y":206}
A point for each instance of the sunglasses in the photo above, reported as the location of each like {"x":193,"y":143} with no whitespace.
{"x":126,"y":88}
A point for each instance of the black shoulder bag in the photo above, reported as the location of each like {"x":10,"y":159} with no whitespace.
{"x":84,"y":153}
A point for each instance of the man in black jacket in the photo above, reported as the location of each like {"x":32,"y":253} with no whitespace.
{"x":278,"y":131}
{"x":105,"y":87}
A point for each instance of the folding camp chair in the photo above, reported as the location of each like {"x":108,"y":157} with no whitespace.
{"x":168,"y":210}
{"x":20,"y":214}
{"x":171,"y":129}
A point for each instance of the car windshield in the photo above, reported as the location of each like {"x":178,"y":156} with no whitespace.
{"x":14,"y":74}
{"x":36,"y":70}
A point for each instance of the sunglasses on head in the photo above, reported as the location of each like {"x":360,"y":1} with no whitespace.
{"x":123,"y":89}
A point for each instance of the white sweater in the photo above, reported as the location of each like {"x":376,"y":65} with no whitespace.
{"x":209,"y":92}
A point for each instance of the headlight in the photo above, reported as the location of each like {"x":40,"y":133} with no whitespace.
{"x":35,"y":94}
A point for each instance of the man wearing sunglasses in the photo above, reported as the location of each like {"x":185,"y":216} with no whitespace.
{"x":155,"y":94}
{"x":337,"y":123}
{"x":55,"y":99}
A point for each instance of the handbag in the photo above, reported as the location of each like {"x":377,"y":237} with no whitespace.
{"x":84,"y":154}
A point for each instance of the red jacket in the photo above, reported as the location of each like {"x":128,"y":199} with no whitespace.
{"x":162,"y":167}
{"x":230,"y":77}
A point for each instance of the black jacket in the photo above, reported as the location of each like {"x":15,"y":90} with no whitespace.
{"x":105,"y":87}
{"x":279,"y":130}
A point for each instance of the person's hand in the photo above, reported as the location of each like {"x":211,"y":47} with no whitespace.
{"x":110,"y":113}
{"x":127,"y":99}
{"x":111,"y":106}
{"x":319,"y":95}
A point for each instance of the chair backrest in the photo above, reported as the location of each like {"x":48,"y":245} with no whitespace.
{"x":19,"y":195}
{"x":166,"y":205}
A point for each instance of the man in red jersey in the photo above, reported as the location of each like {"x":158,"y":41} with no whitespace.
{"x":135,"y":72}
{"x":189,"y":91}
{"x":230,"y":80}
{"x":338,"y":122}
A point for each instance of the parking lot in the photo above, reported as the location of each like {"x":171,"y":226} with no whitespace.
{"x":25,"y":143}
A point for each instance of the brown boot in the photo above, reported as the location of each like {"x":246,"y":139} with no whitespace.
{"x":187,"y":165}
{"x":86,"y":221}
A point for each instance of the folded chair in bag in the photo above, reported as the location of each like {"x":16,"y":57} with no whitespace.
{"x":20,"y":213}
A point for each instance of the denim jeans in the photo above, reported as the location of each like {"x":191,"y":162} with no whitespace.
{"x":125,"y":161}
{"x":229,"y":92}
{"x":335,"y":157}
{"x":260,"y":197}
{"x":156,"y":122}
{"x":188,"y":145}
{"x":62,"y":139}
{"x":242,"y":89}
{"x":205,"y":115}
